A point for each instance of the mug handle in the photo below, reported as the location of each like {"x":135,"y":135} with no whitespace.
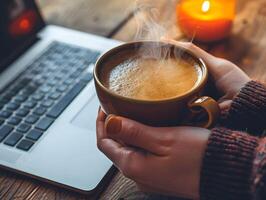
{"x":209,"y":106}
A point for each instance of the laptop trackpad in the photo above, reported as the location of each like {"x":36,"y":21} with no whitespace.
{"x":86,"y":118}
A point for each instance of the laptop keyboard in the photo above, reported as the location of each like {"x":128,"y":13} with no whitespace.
{"x":30,"y":105}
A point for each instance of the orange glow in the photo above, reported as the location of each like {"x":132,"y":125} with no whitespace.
{"x":206,"y":20}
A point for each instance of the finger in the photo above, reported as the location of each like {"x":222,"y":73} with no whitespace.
{"x":135,"y":134}
{"x":130,"y":162}
{"x":126,"y":159}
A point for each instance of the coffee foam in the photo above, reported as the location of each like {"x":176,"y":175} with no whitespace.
{"x":152,"y":79}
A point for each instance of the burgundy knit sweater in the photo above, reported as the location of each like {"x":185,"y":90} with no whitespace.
{"x":234,"y":165}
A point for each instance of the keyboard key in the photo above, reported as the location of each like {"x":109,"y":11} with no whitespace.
{"x":38,"y":96}
{"x":69,"y":81}
{"x":52,"y":82}
{"x":75,"y":74}
{"x":83,"y":66}
{"x":34,"y":134}
{"x":4,"y":131}
{"x":59,"y":76}
{"x":1,"y":122}
{"x":31,"y":119}
{"x":52,"y":67}
{"x":23,"y":128}
{"x":62,"y":88}
{"x":22,"y":112}
{"x":20,"y":98}
{"x":25,"y":145}
{"x":66,"y":100}
{"x":12,"y":106}
{"x":47,"y":103}
{"x":13,"y":139}
{"x":45,"y":88}
{"x":44,"y":123}
{"x":14,"y":121}
{"x":87,"y":77}
{"x":31,"y":88}
{"x":54,"y":95}
{"x":30,"y":104}
{"x":5,"y":114}
{"x":65,"y":70}
{"x":39,"y":111}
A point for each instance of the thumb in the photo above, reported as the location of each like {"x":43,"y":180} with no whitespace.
{"x":134,"y":134}
{"x":208,"y":58}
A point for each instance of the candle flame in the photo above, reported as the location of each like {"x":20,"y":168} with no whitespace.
{"x":205,"y":6}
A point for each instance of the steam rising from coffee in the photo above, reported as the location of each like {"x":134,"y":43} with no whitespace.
{"x":147,"y":17}
{"x":150,"y":27}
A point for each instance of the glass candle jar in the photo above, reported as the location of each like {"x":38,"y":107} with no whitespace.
{"x":206,"y":20}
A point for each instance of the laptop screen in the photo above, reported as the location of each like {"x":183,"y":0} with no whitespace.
{"x":19,"y":22}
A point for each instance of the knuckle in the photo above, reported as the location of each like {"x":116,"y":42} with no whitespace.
{"x":167,"y":140}
{"x":134,"y":131}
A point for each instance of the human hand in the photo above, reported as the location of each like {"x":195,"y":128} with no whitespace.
{"x":160,"y":160}
{"x":227,"y":77}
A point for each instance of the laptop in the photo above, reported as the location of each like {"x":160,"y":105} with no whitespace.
{"x":48,"y":104}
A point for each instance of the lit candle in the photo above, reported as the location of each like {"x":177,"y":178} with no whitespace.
{"x":206,"y":20}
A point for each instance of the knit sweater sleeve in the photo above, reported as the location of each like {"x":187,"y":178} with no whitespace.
{"x":234,"y":167}
{"x":248,"y":109}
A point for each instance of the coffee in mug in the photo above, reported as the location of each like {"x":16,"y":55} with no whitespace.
{"x":151,"y":78}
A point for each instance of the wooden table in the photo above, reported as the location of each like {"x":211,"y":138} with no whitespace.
{"x":117,"y":19}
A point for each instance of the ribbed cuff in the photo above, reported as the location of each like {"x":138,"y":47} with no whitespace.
{"x":248,"y":110}
{"x":227,"y":166}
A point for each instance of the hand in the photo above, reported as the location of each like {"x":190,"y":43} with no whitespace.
{"x":160,"y":160}
{"x":228,"y":78}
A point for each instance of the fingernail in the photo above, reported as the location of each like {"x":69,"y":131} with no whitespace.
{"x":113,"y":124}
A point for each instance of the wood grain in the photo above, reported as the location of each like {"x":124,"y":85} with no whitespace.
{"x":95,"y":16}
{"x":246,"y":47}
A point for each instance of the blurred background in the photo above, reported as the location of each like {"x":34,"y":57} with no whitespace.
{"x":104,"y":17}
{"x":116,"y":19}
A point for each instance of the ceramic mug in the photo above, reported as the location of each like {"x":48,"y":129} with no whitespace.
{"x":179,"y":110}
